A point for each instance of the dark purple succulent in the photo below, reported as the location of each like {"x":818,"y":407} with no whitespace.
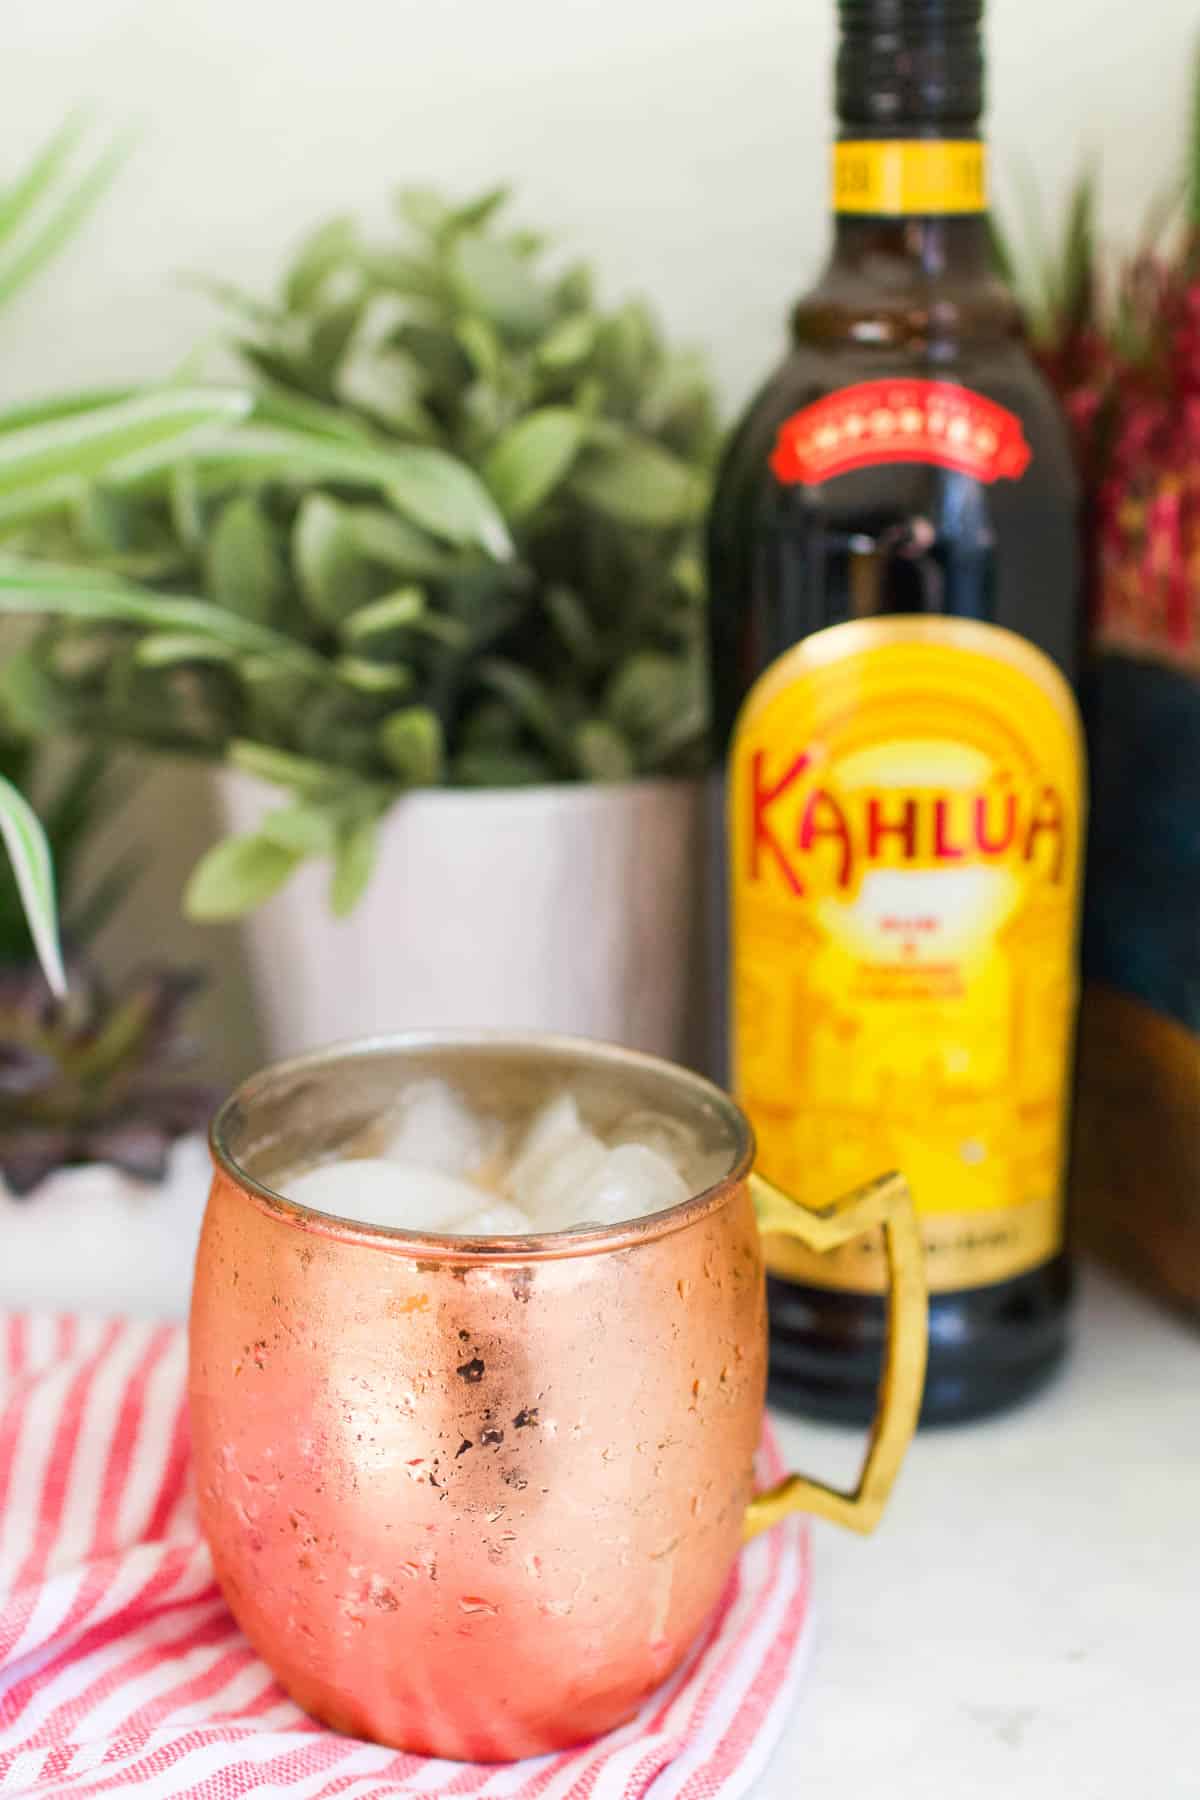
{"x":96,"y":1077}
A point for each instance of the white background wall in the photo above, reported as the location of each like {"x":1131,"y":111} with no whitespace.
{"x":681,"y":143}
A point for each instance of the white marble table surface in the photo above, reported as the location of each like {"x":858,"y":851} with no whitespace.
{"x":1026,"y":1621}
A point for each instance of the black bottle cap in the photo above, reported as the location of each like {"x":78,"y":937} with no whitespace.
{"x":915,"y":64}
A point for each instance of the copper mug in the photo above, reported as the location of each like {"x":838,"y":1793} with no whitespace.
{"x":476,"y":1498}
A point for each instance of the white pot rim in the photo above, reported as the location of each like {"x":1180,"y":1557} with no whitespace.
{"x":534,"y":793}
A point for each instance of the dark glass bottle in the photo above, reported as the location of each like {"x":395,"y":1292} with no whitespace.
{"x":894,"y":642}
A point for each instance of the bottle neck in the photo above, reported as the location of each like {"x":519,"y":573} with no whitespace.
{"x":913,"y":204}
{"x":917,"y":250}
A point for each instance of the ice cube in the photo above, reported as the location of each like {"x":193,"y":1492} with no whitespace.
{"x":557,"y":1156}
{"x":659,"y":1131}
{"x":630,"y":1181}
{"x":434,"y":1127}
{"x":551,"y":1200}
{"x":564,"y":1175}
{"x":376,"y":1191}
{"x":499,"y":1219}
{"x":553,"y":1128}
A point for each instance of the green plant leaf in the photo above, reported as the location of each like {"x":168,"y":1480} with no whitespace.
{"x":42,"y":466}
{"x":87,"y":916}
{"x":601,"y":752}
{"x":29,"y":854}
{"x":423,"y":207}
{"x":573,"y":625}
{"x":353,"y":863}
{"x":244,"y":568}
{"x":1078,"y":272}
{"x":575,"y":288}
{"x":334,"y":576}
{"x":528,"y":696}
{"x":19,"y":198}
{"x":455,"y":634}
{"x":276,"y":405}
{"x":645,"y":693}
{"x":1004,"y":259}
{"x":638,"y":483}
{"x":391,"y":541}
{"x":491,"y":725}
{"x":533,"y":456}
{"x":401,"y":273}
{"x":32,"y":700}
{"x":304,"y":828}
{"x":436,"y":351}
{"x":329,"y":337}
{"x":495,"y":280}
{"x":1039,"y":295}
{"x":88,"y":791}
{"x":482,"y":345}
{"x":186,"y":505}
{"x":388,"y":384}
{"x":431,"y":487}
{"x":237,"y":875}
{"x":411,"y":742}
{"x":43,"y":242}
{"x":485,"y":766}
{"x":368,"y":677}
{"x":441,"y":493}
{"x":569,"y":342}
{"x":33,"y":588}
{"x":474,"y":213}
{"x":676,"y":407}
{"x":330,"y":246}
{"x":105,"y":523}
{"x":401,"y":608}
{"x":60,"y":406}
{"x":315,"y":780}
{"x":167,"y":649}
{"x":234,"y":299}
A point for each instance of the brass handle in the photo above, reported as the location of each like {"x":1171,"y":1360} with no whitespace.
{"x":886,"y":1202}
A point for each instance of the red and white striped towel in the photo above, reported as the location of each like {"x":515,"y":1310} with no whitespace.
{"x":120,"y":1666}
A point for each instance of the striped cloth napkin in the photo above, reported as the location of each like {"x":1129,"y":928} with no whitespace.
{"x":121,"y":1668}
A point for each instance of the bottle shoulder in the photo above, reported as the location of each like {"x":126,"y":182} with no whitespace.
{"x":1000,"y":369}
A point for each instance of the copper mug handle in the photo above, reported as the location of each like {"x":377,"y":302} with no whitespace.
{"x":887,"y":1203}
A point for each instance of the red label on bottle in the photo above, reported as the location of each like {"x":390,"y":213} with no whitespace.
{"x":901,"y":421}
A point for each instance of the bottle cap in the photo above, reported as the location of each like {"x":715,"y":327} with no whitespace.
{"x":910,"y":65}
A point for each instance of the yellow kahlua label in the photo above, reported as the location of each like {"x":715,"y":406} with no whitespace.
{"x":906,"y":813}
{"x":895,"y":177}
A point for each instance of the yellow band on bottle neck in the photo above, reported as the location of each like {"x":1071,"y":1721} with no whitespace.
{"x":900,"y":177}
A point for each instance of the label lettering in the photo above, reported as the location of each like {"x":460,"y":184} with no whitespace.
{"x":906,"y":825}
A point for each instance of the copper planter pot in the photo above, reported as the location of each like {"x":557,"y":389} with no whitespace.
{"x":477,"y":1498}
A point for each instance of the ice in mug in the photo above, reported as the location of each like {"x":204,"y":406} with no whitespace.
{"x":437,"y":1165}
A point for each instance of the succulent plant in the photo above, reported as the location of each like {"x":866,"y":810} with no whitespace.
{"x":1120,"y":342}
{"x":97,"y":1077}
{"x":456,"y":542}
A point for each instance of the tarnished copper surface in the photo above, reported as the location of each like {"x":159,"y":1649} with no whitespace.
{"x":478,"y":1498}
{"x":467,"y":1503}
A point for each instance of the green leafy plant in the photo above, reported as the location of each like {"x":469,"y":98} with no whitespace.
{"x":87,"y":1074}
{"x":49,"y":452}
{"x":44,"y":204}
{"x":456,"y":542}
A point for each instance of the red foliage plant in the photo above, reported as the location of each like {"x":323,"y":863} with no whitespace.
{"x":1123,"y":353}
